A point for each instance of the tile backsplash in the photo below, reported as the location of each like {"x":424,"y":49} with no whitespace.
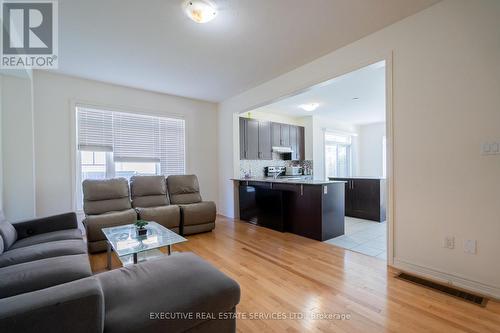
{"x":256,"y":167}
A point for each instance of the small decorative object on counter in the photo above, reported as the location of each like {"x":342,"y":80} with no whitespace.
{"x":140,"y":227}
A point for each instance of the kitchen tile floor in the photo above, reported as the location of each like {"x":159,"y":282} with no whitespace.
{"x":363,"y":236}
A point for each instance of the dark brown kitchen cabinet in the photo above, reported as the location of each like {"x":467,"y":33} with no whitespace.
{"x":285,"y":135}
{"x":280,"y":135}
{"x":265,"y":149}
{"x":310,"y":210}
{"x":258,"y":137}
{"x":297,"y":142}
{"x":255,"y":139}
{"x":365,"y":198}
{"x":251,"y":139}
{"x":242,"y":139}
{"x":276,"y":134}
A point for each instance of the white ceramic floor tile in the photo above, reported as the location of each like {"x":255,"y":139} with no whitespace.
{"x":367,"y":237}
{"x":377,"y":244}
{"x":343,"y":241}
{"x":365,"y":249}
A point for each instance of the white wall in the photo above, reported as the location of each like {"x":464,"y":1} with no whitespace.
{"x":53,"y":96}
{"x":17,"y":147}
{"x":370,"y":154}
{"x":445,"y":104}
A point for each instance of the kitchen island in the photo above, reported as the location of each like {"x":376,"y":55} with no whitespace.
{"x":309,"y":208}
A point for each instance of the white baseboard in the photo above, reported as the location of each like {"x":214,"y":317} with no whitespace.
{"x":458,"y":281}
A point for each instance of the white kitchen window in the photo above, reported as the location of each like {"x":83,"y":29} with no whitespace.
{"x":117,"y":144}
{"x":337,"y":154}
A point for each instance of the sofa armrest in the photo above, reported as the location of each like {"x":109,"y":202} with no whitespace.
{"x":182,"y":284}
{"x":45,"y":224}
{"x":76,"y":307}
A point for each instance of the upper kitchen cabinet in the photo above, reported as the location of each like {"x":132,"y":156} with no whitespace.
{"x":276,"y":135}
{"x":258,"y":137}
{"x":297,"y":142}
{"x":255,"y":139}
{"x":265,"y":148}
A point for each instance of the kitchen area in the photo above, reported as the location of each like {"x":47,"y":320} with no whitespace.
{"x":304,"y":171}
{"x":277,"y":189}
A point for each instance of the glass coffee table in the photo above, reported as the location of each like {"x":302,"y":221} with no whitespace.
{"x":132,"y":248}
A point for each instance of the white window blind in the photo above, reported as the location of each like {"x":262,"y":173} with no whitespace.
{"x":134,"y":138}
{"x":95,"y":130}
{"x":172,"y":146}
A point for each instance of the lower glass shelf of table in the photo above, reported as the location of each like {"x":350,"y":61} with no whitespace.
{"x":132,"y":248}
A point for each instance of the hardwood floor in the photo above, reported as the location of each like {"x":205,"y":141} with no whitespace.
{"x":285,"y":273}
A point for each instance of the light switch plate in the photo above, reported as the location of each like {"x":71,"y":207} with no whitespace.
{"x":325,"y":189}
{"x":470,"y":246}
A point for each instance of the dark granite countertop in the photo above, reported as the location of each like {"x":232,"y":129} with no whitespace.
{"x":289,"y":181}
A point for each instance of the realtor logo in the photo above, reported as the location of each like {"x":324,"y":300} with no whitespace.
{"x":29,"y":34}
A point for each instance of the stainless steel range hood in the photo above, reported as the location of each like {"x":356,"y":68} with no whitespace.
{"x":282,"y":150}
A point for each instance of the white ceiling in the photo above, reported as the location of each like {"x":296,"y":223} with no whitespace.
{"x":356,"y":98}
{"x":151,"y":44}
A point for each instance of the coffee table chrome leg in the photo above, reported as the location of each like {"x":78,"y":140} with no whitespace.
{"x":108,"y":255}
{"x":169,"y":249}
{"x":135,"y":258}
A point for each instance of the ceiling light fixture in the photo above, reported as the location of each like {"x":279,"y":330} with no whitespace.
{"x":200,"y":11}
{"x":309,"y":106}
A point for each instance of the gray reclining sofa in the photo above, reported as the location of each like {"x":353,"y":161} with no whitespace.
{"x":46,"y":285}
{"x":174,"y":202}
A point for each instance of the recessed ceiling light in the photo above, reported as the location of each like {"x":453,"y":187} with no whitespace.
{"x":200,"y":11}
{"x":309,"y":106}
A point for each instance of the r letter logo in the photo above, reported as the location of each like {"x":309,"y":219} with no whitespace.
{"x":29,"y":34}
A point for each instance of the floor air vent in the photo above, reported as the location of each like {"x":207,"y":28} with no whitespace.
{"x":448,"y":290}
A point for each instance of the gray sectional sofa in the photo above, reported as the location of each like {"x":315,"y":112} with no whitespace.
{"x":46,"y":285}
{"x":174,"y":202}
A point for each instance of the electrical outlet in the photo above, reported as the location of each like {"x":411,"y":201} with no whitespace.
{"x":449,"y":242}
{"x":470,"y":246}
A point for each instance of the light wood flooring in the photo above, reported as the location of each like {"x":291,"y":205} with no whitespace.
{"x":290,"y":276}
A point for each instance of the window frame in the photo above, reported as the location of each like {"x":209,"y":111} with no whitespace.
{"x":76,"y":174}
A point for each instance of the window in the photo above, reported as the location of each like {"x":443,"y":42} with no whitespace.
{"x":337,"y":155}
{"x":116,"y":144}
{"x":93,"y":164}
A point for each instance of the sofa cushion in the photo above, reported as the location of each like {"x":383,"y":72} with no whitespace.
{"x":183,"y":293}
{"x":7,"y":231}
{"x":198,"y":213}
{"x":168,"y":216}
{"x":42,"y":251}
{"x":1,"y":244}
{"x":76,"y":307}
{"x":48,"y":237}
{"x":105,"y":195}
{"x":40,"y":274}
{"x":94,"y":223}
{"x":148,"y":191}
{"x":105,"y":189}
{"x":183,"y":189}
{"x":148,"y":185}
{"x":106,"y":206}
